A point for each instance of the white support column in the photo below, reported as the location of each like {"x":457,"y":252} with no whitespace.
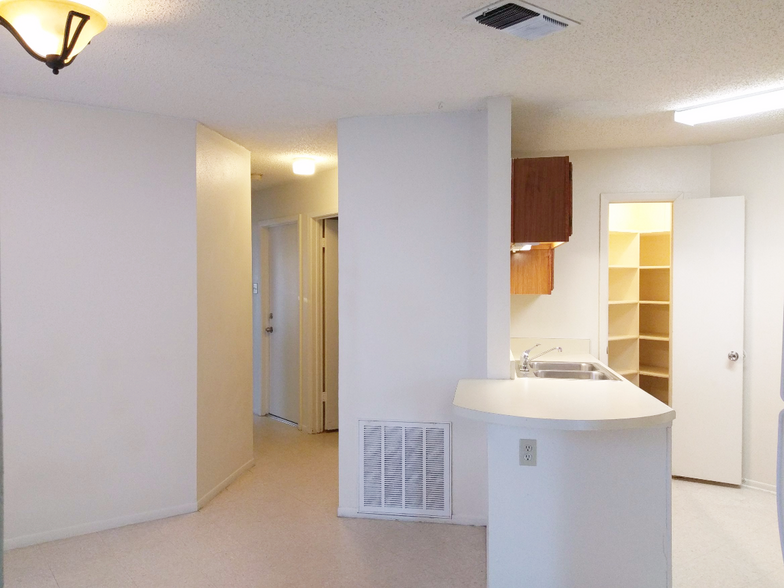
{"x":499,"y":182}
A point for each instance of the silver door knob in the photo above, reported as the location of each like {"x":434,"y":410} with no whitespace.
{"x":733,"y":356}
{"x":269,"y":329}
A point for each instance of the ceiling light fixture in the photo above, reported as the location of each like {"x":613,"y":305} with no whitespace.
{"x":304,"y":166}
{"x":51,"y":31}
{"x":732,"y":108}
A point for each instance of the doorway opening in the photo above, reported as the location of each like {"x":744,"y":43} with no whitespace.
{"x":329,"y":324}
{"x":671,"y":318}
{"x":639,"y":292}
{"x":297,"y":322}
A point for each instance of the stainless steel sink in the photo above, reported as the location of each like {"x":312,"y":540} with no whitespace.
{"x":564,"y":365}
{"x":574,"y":375}
{"x":569,"y":370}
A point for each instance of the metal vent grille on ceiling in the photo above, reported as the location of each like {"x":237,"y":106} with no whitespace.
{"x":405,"y":468}
{"x":506,"y":16}
{"x":520,"y":19}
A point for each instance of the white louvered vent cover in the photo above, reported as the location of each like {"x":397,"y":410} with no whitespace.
{"x":520,"y":19}
{"x":405,"y":468}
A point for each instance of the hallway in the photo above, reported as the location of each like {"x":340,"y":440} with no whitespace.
{"x":274,"y":527}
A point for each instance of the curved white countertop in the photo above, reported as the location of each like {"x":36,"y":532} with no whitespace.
{"x":578,"y":405}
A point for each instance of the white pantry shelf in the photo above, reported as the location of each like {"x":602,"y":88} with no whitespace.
{"x":654,"y":337}
{"x":654,"y":371}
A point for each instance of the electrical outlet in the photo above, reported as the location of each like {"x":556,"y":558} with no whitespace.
{"x":527,"y":452}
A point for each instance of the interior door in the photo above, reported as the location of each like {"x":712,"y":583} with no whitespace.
{"x":283,"y":323}
{"x":330,"y":324}
{"x":707,"y":338}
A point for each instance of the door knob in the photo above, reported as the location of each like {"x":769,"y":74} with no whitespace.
{"x":269,"y":329}
{"x":733,"y":356}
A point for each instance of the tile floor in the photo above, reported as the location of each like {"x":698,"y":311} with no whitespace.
{"x":276,"y":527}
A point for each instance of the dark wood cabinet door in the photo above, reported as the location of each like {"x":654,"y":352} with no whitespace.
{"x":541,"y":200}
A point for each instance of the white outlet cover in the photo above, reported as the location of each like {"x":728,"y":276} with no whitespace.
{"x":527,"y":452}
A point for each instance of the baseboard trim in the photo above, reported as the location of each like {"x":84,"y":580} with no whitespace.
{"x":204,"y":500}
{"x":94,"y":527}
{"x":282,"y":420}
{"x":759,"y":486}
{"x":350,"y":513}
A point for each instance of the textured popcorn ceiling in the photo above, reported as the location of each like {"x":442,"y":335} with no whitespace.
{"x":276,"y":75}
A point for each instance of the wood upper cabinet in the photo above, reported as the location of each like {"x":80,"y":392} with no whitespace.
{"x":542,"y":214}
{"x":533,"y":271}
{"x":541,"y":200}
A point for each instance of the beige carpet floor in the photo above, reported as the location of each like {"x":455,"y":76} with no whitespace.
{"x":276,"y":527}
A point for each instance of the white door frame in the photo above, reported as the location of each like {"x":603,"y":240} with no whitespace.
{"x":314,"y":364}
{"x":320,"y":328}
{"x":264,"y":292}
{"x":604,"y":248}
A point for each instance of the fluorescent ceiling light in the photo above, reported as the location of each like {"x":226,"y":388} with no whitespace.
{"x":742,"y":106}
{"x":304,"y":166}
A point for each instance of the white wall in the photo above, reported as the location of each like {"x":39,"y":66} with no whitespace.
{"x":98,"y":258}
{"x":640,"y":217}
{"x":225,"y":339}
{"x":414,"y":283}
{"x":306,"y":198}
{"x":572,"y":311}
{"x":754,"y":169}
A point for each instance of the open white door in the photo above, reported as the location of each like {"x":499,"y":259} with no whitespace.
{"x":283,"y":323}
{"x":331,"y":324}
{"x":707,"y":338}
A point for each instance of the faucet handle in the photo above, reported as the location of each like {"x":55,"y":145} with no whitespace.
{"x":527,"y":351}
{"x":524,"y":357}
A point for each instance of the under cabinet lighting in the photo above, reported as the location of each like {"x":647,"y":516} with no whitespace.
{"x":304,"y":166}
{"x":517,"y":247}
{"x":735,"y":107}
{"x":51,"y":31}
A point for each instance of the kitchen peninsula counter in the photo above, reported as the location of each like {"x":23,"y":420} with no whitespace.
{"x":579,"y":481}
{"x":563,"y":404}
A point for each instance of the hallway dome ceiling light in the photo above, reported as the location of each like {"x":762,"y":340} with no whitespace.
{"x":51,"y":31}
{"x":304,"y":166}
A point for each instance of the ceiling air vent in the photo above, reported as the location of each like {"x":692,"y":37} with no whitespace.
{"x":520,"y":19}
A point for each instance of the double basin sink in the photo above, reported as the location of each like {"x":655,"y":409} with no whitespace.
{"x":567,"y":370}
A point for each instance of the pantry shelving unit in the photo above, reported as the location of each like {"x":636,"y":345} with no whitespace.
{"x":639,"y":309}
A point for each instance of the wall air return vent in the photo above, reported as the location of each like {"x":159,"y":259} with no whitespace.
{"x":405,"y":469}
{"x":520,"y":19}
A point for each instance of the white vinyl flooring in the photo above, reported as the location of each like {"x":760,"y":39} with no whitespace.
{"x":276,"y":527}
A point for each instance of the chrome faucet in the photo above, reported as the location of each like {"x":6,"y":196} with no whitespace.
{"x":525,"y":359}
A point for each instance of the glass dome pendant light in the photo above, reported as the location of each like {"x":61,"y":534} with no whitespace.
{"x":51,"y":31}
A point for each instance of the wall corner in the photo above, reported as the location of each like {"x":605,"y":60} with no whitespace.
{"x":499,"y":181}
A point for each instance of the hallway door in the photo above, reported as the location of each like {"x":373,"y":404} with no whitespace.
{"x":283,"y":322}
{"x":330,"y":282}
